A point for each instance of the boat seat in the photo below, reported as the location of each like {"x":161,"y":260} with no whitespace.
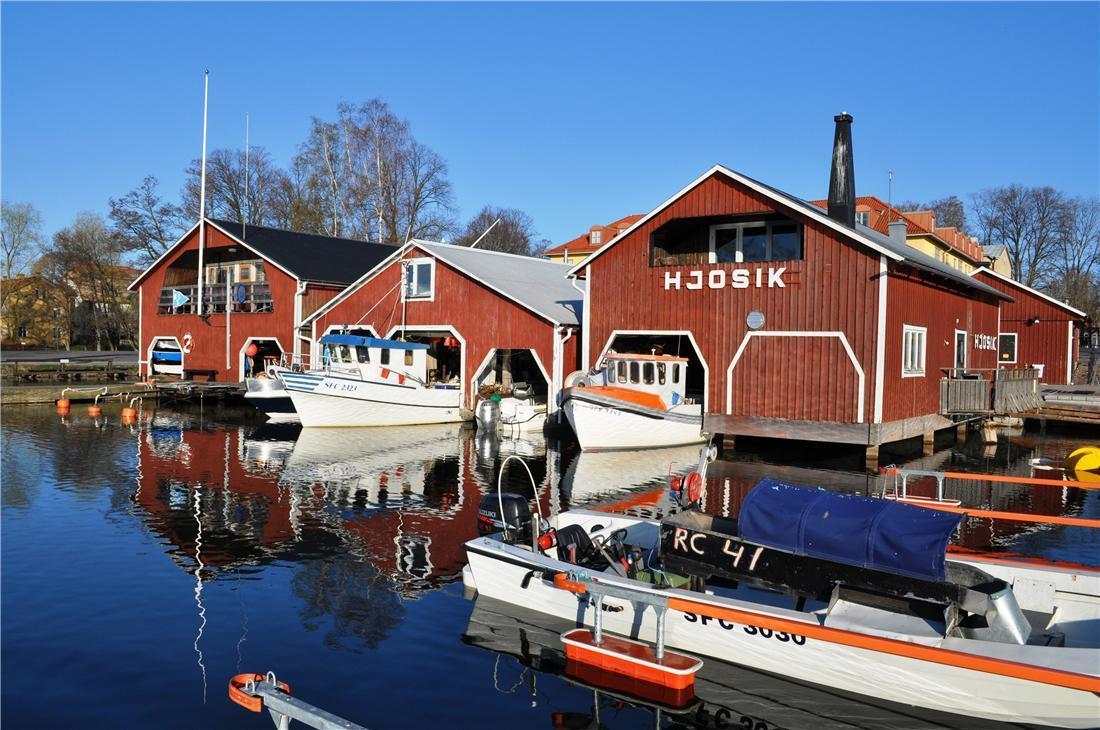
{"x":573,"y":540}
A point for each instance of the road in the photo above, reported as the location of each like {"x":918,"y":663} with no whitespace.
{"x":119,"y":357}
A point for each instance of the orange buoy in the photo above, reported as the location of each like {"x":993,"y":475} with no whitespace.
{"x":62,"y":411}
{"x":62,"y":403}
{"x":95,"y":410}
{"x":129,"y":416}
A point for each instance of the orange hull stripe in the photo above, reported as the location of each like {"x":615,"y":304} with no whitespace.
{"x":641,"y":398}
{"x":933,"y":654}
{"x":1011,"y":516}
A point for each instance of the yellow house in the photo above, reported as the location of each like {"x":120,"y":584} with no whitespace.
{"x":36,"y":313}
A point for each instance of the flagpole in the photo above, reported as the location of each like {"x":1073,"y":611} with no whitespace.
{"x":202,"y":189}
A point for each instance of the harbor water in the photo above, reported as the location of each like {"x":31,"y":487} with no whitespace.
{"x":143,"y":565}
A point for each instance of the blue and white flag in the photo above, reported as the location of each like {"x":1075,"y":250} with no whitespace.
{"x":179,"y":299}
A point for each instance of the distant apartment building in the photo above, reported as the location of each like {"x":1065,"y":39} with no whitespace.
{"x":580,"y":247}
{"x":943,"y":243}
{"x":36,"y":313}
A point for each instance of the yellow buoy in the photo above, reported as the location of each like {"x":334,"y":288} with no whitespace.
{"x":1084,"y":459}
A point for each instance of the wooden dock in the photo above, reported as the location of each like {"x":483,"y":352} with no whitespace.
{"x":164,"y":391}
{"x":1067,"y":404}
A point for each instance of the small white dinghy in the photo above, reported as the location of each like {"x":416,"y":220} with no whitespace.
{"x":840,"y":591}
{"x":633,"y":402}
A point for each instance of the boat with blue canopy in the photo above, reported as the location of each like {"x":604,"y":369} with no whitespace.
{"x":372,"y":381}
{"x":842,"y":591}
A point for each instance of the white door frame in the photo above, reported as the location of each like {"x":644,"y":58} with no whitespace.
{"x":551,"y":406}
{"x":664,"y":333}
{"x":462,"y":350}
{"x":955,"y":351}
{"x":149,"y":353}
{"x":247,"y":342}
{"x":797,"y":333}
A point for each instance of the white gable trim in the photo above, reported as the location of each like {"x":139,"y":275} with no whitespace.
{"x":1025,"y":287}
{"x":160,"y":258}
{"x":753,"y":185}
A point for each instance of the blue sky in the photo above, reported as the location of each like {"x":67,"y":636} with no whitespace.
{"x":578,"y":114}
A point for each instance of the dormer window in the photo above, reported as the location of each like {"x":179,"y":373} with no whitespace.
{"x":597,"y":237}
{"x":862,"y":217}
{"x":419,"y":279}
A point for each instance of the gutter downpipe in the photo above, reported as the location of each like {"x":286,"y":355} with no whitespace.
{"x":584,"y":318}
{"x":299,"y":292}
{"x":559,"y":368}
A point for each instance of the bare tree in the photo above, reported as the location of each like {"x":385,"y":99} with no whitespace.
{"x":515,"y":233}
{"x":228,"y":183}
{"x":145,"y":223}
{"x":20,"y":243}
{"x":87,"y":256}
{"x":1076,"y":263}
{"x":1027,"y":221}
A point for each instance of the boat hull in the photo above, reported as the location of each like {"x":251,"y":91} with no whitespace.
{"x":499,"y":572}
{"x":605,"y":425}
{"x":270,"y":397}
{"x":335,"y":402}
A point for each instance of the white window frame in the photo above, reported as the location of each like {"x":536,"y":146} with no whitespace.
{"x":739,"y":258}
{"x":955,"y":351}
{"x":922,"y":338}
{"x":596,"y":237}
{"x":413,"y":264}
{"x":1015,"y":348}
{"x":862,"y":217}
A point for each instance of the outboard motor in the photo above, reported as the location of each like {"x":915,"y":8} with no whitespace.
{"x":488,"y":414}
{"x":515,"y":522}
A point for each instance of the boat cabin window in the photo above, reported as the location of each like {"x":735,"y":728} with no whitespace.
{"x":647,"y":373}
{"x":343,"y":354}
{"x":363,"y":353}
{"x":676,"y":373}
{"x":610,"y":372}
{"x":660,"y":373}
{"x":622,"y":371}
{"x":634,"y":373}
{"x":385,"y":357}
{"x":408,"y":357}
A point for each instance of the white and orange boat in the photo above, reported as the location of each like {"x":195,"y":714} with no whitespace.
{"x":844,"y":592}
{"x":633,"y":402}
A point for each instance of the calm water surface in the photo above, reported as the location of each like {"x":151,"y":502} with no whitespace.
{"x":144,"y":565}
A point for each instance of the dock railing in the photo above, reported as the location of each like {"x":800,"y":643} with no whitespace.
{"x":977,"y":391}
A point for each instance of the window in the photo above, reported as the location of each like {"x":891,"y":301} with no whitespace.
{"x":418,"y":279}
{"x":408,"y":357}
{"x":660,"y":373}
{"x":912,"y":351}
{"x":597,"y":237}
{"x":610,"y":372}
{"x":755,"y":241}
{"x":343,"y":354}
{"x":245,"y":273}
{"x":22,"y":331}
{"x":634,"y":373}
{"x":385,"y":359}
{"x":1006,"y":348}
{"x":676,"y":373}
{"x":647,"y":373}
{"x":861,"y":217}
{"x":622,"y":371}
{"x":363,"y":354}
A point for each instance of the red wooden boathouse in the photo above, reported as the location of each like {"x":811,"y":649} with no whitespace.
{"x":488,"y":317}
{"x":1036,"y":330}
{"x":271,"y":278}
{"x":801,"y":323}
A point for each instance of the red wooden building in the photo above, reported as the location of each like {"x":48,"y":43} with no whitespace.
{"x":271,"y":279}
{"x":801,"y":323}
{"x":1036,"y":330}
{"x":488,"y":317}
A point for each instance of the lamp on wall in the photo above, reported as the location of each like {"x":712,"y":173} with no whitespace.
{"x":1033,"y":320}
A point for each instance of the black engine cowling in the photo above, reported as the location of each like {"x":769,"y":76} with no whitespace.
{"x":516,"y":517}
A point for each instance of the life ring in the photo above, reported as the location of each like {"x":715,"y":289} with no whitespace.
{"x":694,"y":485}
{"x":576,"y":379}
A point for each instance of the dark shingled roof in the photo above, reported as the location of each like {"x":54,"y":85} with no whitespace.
{"x":308,"y":256}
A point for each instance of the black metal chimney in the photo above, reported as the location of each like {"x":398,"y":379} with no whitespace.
{"x":842,"y":177}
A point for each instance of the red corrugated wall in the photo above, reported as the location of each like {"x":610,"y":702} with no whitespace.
{"x":1047,"y":342}
{"x":920,"y":301}
{"x":832,"y":289}
{"x":208,"y":335}
{"x":483,"y":318}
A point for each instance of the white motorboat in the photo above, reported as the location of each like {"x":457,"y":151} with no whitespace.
{"x":849,"y":593}
{"x":633,"y":402}
{"x":511,"y":415}
{"x":268,"y":394}
{"x":367,"y":381}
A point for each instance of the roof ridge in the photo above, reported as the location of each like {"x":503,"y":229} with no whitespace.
{"x":224,"y":221}
{"x":456,"y":247}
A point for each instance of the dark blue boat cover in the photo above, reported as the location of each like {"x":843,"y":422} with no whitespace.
{"x":871,"y":533}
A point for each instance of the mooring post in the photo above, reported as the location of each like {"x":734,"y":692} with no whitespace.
{"x":929,"y":443}
{"x":871,"y":457}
